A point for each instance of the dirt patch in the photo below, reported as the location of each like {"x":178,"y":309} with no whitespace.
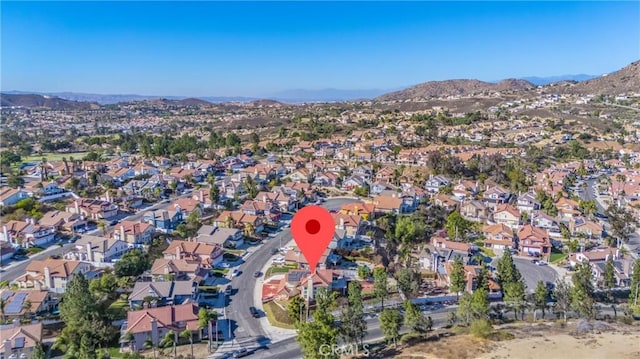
{"x":576,"y":340}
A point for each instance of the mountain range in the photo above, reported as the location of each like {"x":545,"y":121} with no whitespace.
{"x":623,"y":80}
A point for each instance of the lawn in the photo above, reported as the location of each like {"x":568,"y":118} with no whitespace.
{"x":212,"y":289}
{"x":488,"y":252}
{"x":52,"y":156}
{"x":277,"y":316}
{"x":219,"y":273}
{"x":276,"y":270}
{"x":557,"y":257}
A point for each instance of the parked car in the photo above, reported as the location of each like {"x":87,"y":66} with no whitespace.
{"x":254,"y":312}
{"x":535,"y":261}
{"x":541,"y":263}
{"x":240,"y":353}
{"x":228,"y":290}
{"x":236,"y":273}
{"x":274,"y":251}
{"x":257,"y":274}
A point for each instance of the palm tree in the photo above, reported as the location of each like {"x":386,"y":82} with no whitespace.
{"x":170,"y":340}
{"x":148,"y":344}
{"x":3,"y":303}
{"x":187,"y":334}
{"x":621,"y":178}
{"x":130,"y":339}
{"x":102,"y":225}
{"x":26,"y":308}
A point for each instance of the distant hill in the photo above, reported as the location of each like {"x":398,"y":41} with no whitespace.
{"x":541,"y":81}
{"x":624,"y":80}
{"x":326,"y":95}
{"x":455,"y":88}
{"x":42,"y":101}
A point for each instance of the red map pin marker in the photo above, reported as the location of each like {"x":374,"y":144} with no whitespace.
{"x":312,"y":229}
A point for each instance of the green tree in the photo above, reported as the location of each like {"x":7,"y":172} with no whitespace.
{"x":214,"y":194}
{"x":380,"y":284}
{"x":132,"y":263}
{"x":409,"y":282}
{"x":457,"y":226}
{"x":38,"y":352}
{"x":415,"y":319}
{"x":296,"y":308}
{"x":390,"y":323}
{"x":354,"y":327}
{"x":506,"y":268}
{"x":622,"y":222}
{"x":457,"y":278}
{"x":609,"y":276}
{"x":188,"y":335}
{"x":169,"y":341}
{"x":514,"y":296}
{"x":540,"y":298}
{"x":473,"y":306}
{"x":583,"y":300}
{"x":15,"y":181}
{"x":364,"y":272}
{"x":320,"y":331}
{"x":634,"y":293}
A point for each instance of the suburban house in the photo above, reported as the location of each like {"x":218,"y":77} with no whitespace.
{"x":567,"y":209}
{"x":388,"y":204}
{"x":9,"y":196}
{"x":348,"y":223}
{"x":51,"y":274}
{"x":506,"y":214}
{"x":98,"y":249}
{"x":155,"y":323}
{"x":63,"y":221}
{"x":436,"y":182}
{"x":19,"y":341}
{"x":19,"y":303}
{"x":6,"y":252}
{"x":159,"y":294}
{"x":164,"y":220}
{"x":498,"y":236}
{"x":590,"y":229}
{"x":534,"y":241}
{"x":295,"y":257}
{"x":177,"y":269}
{"x":134,"y":232}
{"x":547,"y":222}
{"x":322,"y":278}
{"x":474,"y":211}
{"x":187,"y":206}
{"x":224,"y":237}
{"x":238,"y":219}
{"x":527,"y":202}
{"x":205,"y":255}
{"x":93,"y":208}
{"x":364,"y":210}
{"x":493,"y":196}
{"x":27,"y":233}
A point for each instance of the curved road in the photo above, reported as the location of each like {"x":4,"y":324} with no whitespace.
{"x":246,"y":330}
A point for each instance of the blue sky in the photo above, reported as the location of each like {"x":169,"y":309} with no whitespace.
{"x":257,"y":49}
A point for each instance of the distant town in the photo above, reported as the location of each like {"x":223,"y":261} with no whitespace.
{"x":161,"y":228}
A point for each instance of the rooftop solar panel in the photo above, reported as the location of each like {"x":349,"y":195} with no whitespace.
{"x":15,"y":306}
{"x":6,"y":295}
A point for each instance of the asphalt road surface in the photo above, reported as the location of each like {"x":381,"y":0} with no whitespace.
{"x":532,"y":273}
{"x":247,"y":330}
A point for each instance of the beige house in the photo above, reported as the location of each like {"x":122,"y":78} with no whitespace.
{"x":19,"y":341}
{"x":51,"y":274}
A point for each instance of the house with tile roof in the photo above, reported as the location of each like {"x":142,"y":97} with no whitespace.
{"x":9,"y":196}
{"x":93,"y":208}
{"x":97,"y":249}
{"x":163,"y":293}
{"x":51,"y":274}
{"x":498,"y":236}
{"x":205,"y":255}
{"x":16,"y":302}
{"x":164,"y":269}
{"x":534,"y":241}
{"x":157,"y":322}
{"x":134,"y":232}
{"x":19,"y":341}
{"x":508,"y":215}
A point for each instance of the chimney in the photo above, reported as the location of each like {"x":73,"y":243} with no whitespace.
{"x":178,"y":251}
{"x":47,"y":277}
{"x":606,"y":258}
{"x":16,"y":322}
{"x":104,"y":248}
{"x":122,"y":234}
{"x":89,"y":252}
{"x":341,"y":223}
{"x":7,"y":348}
{"x":5,"y":232}
{"x":154,"y":331}
{"x":77,"y":206}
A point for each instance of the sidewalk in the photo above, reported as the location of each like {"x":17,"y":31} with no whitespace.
{"x":30,"y":258}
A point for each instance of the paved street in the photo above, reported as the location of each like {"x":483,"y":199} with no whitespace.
{"x":247,"y":330}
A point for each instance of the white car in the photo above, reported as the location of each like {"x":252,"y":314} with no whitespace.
{"x":278,"y":260}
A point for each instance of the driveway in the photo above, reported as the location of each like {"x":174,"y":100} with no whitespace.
{"x":533,"y":273}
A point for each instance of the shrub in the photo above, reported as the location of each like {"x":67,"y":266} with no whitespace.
{"x":481,"y":328}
